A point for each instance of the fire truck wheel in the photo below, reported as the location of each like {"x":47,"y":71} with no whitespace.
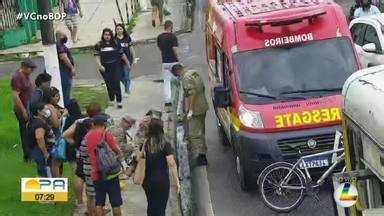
{"x":240,"y":173}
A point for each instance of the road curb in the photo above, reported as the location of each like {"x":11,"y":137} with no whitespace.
{"x":16,"y":56}
{"x":201,"y":191}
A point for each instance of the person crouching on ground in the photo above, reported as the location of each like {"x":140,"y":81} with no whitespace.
{"x":159,"y":160}
{"x":42,"y":139}
{"x":120,"y":131}
{"x":109,"y":56}
{"x":111,"y":185}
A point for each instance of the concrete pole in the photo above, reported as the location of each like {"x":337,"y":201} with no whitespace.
{"x":49,"y":47}
{"x":52,"y":67}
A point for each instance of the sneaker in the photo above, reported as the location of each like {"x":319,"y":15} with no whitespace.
{"x":119,"y":106}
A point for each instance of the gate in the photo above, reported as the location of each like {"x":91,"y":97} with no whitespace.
{"x":8,"y":14}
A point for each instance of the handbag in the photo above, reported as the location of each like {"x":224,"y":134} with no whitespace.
{"x":139,"y":175}
{"x":59,"y":150}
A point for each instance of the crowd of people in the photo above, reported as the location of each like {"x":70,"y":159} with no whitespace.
{"x":44,"y":124}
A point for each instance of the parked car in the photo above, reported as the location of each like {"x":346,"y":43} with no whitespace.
{"x":367,"y":34}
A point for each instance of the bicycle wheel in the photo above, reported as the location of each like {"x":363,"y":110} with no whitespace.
{"x":278,"y":198}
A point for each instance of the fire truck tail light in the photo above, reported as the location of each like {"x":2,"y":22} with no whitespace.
{"x":250,"y":119}
{"x":288,"y":19}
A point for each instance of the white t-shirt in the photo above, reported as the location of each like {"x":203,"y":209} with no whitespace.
{"x":359,"y":12}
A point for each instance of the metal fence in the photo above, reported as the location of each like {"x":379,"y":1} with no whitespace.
{"x":8,"y":14}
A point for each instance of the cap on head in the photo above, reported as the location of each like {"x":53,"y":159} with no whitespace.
{"x":101,"y":119}
{"x":176,"y":68}
{"x":28,"y":63}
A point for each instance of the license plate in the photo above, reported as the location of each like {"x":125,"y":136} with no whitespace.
{"x":315,"y":163}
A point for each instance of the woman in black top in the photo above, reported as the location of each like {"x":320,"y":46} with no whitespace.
{"x":159,"y":158}
{"x":42,"y":138}
{"x":108,"y":57}
{"x":122,"y":37}
{"x":74,"y":113}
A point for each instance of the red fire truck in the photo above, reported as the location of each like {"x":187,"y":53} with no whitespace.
{"x":276,"y":72}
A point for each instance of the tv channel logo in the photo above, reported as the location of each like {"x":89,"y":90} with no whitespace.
{"x":346,"y":195}
{"x":44,"y":189}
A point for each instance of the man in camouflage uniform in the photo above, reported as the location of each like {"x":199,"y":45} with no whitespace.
{"x":196,"y":107}
{"x":120,"y":132}
{"x":130,"y":136}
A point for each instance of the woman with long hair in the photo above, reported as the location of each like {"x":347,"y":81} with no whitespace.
{"x":366,"y":9}
{"x":122,"y":37}
{"x":109,"y":56}
{"x":52,"y":98}
{"x":159,"y":160}
{"x":157,"y":11}
{"x":43,"y":138}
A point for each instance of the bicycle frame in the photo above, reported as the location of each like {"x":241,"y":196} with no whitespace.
{"x":307,"y":176}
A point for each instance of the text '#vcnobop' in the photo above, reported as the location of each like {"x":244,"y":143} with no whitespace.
{"x":37,"y":17}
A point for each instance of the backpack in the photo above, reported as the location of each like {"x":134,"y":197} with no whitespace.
{"x":109,"y":165}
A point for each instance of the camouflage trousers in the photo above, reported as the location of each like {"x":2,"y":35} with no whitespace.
{"x":196,"y":135}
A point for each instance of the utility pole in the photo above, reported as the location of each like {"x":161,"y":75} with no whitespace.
{"x":49,"y":47}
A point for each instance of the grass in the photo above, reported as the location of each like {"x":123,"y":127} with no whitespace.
{"x":86,"y":95}
{"x":132,"y":22}
{"x":12,"y":168}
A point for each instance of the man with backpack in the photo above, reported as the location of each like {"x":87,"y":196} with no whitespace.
{"x":105,"y":157}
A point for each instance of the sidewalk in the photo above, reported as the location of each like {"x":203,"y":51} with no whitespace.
{"x":144,"y":31}
{"x":99,"y":14}
{"x":136,"y":105}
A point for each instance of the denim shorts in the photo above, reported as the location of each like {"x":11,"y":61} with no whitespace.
{"x":112,"y":188}
{"x":43,"y":169}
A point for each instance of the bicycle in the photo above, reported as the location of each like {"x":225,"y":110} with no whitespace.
{"x":283,"y":186}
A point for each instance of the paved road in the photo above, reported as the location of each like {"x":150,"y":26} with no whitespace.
{"x":228,"y":198}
